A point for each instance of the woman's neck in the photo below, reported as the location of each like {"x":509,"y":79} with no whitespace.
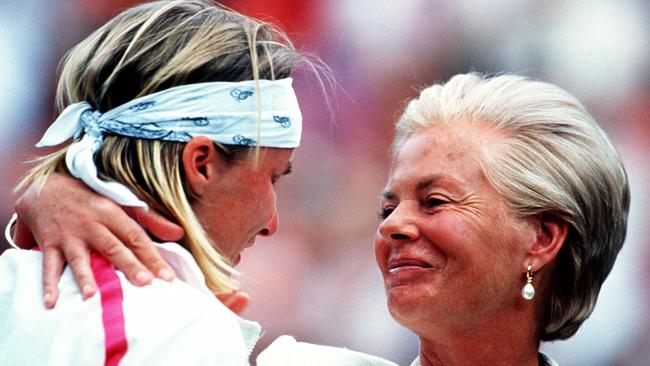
{"x":510,"y":342}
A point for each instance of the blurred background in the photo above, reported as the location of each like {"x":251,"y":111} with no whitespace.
{"x":316,"y":279}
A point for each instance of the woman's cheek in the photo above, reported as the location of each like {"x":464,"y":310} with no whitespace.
{"x":382,"y":251}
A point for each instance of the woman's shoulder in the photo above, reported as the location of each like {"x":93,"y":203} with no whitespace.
{"x":286,"y":351}
{"x":155,"y":324}
{"x":174,"y":323}
{"x":184,"y":304}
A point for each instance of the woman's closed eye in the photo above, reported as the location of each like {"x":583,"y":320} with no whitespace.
{"x":384,"y":212}
{"x":287,"y":171}
{"x":433,"y":202}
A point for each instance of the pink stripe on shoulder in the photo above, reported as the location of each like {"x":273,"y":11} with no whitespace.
{"x":110,"y":290}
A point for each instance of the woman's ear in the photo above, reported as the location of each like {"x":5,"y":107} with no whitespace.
{"x":551,"y":234}
{"x":201,"y":163}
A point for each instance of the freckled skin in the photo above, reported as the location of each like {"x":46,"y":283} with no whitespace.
{"x":469,"y":236}
{"x":454,"y":156}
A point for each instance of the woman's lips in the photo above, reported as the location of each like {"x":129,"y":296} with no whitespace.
{"x":249,"y":244}
{"x":403,"y":271}
{"x":402,"y":264}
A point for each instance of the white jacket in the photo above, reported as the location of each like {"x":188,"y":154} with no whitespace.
{"x":166,"y":323}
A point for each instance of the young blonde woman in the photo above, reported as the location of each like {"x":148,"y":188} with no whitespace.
{"x":186,"y":109}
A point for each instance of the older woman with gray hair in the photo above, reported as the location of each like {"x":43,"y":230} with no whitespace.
{"x":504,"y":211}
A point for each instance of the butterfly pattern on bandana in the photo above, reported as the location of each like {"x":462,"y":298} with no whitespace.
{"x":240,"y":94}
{"x":283,"y":121}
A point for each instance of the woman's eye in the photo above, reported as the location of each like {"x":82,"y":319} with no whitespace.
{"x":433,"y":202}
{"x":384,"y":212}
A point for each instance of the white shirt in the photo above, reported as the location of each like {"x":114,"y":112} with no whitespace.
{"x":165,"y":323}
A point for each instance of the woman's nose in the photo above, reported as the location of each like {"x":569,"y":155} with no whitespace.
{"x":272,"y":227}
{"x":399,"y":227}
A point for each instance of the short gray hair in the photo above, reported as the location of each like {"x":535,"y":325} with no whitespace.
{"x":556,"y":161}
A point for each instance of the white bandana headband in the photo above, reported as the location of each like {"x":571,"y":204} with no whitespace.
{"x":225,"y":112}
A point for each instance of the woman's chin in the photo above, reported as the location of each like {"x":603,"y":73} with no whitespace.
{"x":405,"y":301}
{"x":415,"y":312}
{"x":410,"y":288}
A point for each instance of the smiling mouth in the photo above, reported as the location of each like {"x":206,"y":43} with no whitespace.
{"x":400,"y":265}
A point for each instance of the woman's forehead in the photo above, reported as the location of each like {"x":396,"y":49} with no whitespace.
{"x":449,"y":154}
{"x":443,"y":145}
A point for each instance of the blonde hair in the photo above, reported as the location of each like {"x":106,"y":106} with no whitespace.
{"x":152,"y":47}
{"x":555,"y":160}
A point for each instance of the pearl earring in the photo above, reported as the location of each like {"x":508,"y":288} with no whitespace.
{"x":528,"y":291}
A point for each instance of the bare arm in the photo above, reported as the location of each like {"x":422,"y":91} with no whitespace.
{"x":68,"y":220}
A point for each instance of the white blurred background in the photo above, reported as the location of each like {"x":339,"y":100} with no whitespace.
{"x":316,"y":279}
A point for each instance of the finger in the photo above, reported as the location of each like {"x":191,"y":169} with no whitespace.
{"x":236,"y":301}
{"x":156,"y":224}
{"x":78,"y":258}
{"x":137,"y":240}
{"x":111,"y":248}
{"x":53,"y":264}
{"x":22,"y":235}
